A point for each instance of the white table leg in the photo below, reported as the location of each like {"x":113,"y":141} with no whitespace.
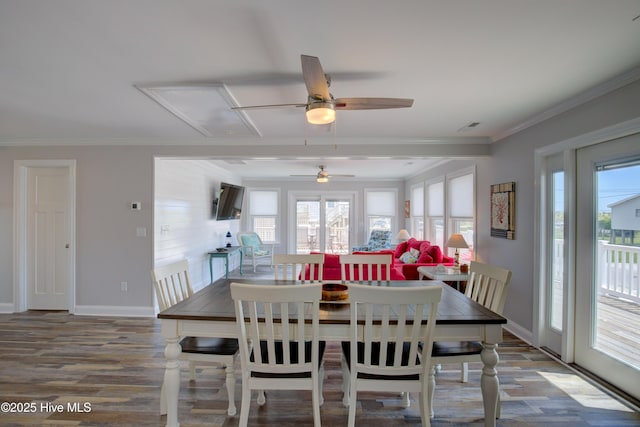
{"x":171,"y":384}
{"x":489,"y":383}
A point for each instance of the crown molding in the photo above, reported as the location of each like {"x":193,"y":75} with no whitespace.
{"x":573,"y":102}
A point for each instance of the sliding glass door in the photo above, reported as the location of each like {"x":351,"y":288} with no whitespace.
{"x":607,"y":336}
{"x":322,"y":223}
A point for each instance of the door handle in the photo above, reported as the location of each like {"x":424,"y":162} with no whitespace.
{"x":67,"y":246}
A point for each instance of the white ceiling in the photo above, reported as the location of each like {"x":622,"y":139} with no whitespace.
{"x":69,"y":69}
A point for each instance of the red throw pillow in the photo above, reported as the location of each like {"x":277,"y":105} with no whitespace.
{"x":425,"y":258}
{"x":412,"y":243}
{"x":400,"y":249}
{"x":436,"y":253}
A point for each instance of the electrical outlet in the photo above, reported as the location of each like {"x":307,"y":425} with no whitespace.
{"x":123,"y":286}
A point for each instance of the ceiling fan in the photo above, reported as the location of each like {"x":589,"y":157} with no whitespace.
{"x":323,"y":175}
{"x":321,"y":106}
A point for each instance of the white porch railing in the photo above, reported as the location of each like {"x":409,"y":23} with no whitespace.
{"x":618,"y":268}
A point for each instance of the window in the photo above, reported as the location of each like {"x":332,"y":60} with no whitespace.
{"x":435,"y":213}
{"x":380,"y":210}
{"x":460,"y":192}
{"x":417,"y":212}
{"x":263,"y":214}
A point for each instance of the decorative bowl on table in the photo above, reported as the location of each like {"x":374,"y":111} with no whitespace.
{"x":334,"y":292}
{"x":221,"y":249}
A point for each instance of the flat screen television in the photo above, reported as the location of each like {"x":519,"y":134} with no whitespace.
{"x":229,"y":204}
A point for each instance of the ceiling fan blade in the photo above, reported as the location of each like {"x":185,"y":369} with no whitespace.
{"x":314,"y":77}
{"x":328,"y":176}
{"x":372,"y":103}
{"x":257,"y":107}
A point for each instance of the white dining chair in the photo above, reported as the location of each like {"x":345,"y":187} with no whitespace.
{"x":172,"y":285}
{"x":487,"y":285}
{"x":370,"y":269}
{"x":305,"y":268}
{"x":279,"y":345}
{"x":295,"y":267}
{"x":398,"y":357}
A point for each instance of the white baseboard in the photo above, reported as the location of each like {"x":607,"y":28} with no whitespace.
{"x":522,"y":333}
{"x":97,"y":310}
{"x":7,"y":308}
{"x":119,"y":311}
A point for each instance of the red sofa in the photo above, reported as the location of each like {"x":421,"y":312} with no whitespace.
{"x":429,"y":255}
{"x":331,"y":269}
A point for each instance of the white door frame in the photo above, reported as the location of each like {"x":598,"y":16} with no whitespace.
{"x":568,"y":148}
{"x":321,"y":196}
{"x":619,"y":373}
{"x":20,"y":223}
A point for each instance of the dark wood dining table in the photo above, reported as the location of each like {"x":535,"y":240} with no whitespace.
{"x":210,"y":313}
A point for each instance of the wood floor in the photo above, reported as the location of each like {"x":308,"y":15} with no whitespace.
{"x":103,"y":371}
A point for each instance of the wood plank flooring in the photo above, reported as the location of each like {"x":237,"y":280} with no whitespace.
{"x":107,"y":371}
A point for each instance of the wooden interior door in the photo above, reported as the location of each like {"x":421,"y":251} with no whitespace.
{"x":48,"y":270}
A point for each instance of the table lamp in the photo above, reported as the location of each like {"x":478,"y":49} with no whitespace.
{"x":458,"y":242}
{"x":403,"y":235}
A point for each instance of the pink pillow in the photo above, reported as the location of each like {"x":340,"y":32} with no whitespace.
{"x":400,"y":249}
{"x":412,"y":243}
{"x":436,"y":253}
{"x":425,"y":258}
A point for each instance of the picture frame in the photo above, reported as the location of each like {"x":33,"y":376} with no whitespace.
{"x":503,"y":206}
{"x":407,"y":208}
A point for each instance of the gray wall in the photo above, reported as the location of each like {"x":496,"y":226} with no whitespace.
{"x":512,"y":159}
{"x":108,"y":251}
{"x":108,"y":178}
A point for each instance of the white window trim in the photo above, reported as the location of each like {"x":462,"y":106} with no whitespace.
{"x":447,"y":210}
{"x":395,"y":218}
{"x":247,"y":219}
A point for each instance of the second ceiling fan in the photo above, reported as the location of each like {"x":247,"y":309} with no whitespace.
{"x":323,"y":175}
{"x":321,"y":106}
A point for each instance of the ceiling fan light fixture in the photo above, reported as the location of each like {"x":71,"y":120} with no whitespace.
{"x":322,"y":179}
{"x":321,"y":113}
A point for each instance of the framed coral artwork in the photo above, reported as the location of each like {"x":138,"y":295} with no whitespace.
{"x":503,"y":206}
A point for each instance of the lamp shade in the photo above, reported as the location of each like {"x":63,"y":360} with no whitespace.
{"x":456,"y":241}
{"x":403,"y":235}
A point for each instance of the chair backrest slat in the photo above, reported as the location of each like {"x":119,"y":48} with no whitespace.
{"x":305,"y":268}
{"x":488,"y":285}
{"x":171,"y":283}
{"x":360,"y":268}
{"x":411,"y":328}
{"x":276,"y":323}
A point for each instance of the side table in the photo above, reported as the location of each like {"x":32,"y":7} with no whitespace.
{"x":448,"y":275}
{"x":225,"y":254}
